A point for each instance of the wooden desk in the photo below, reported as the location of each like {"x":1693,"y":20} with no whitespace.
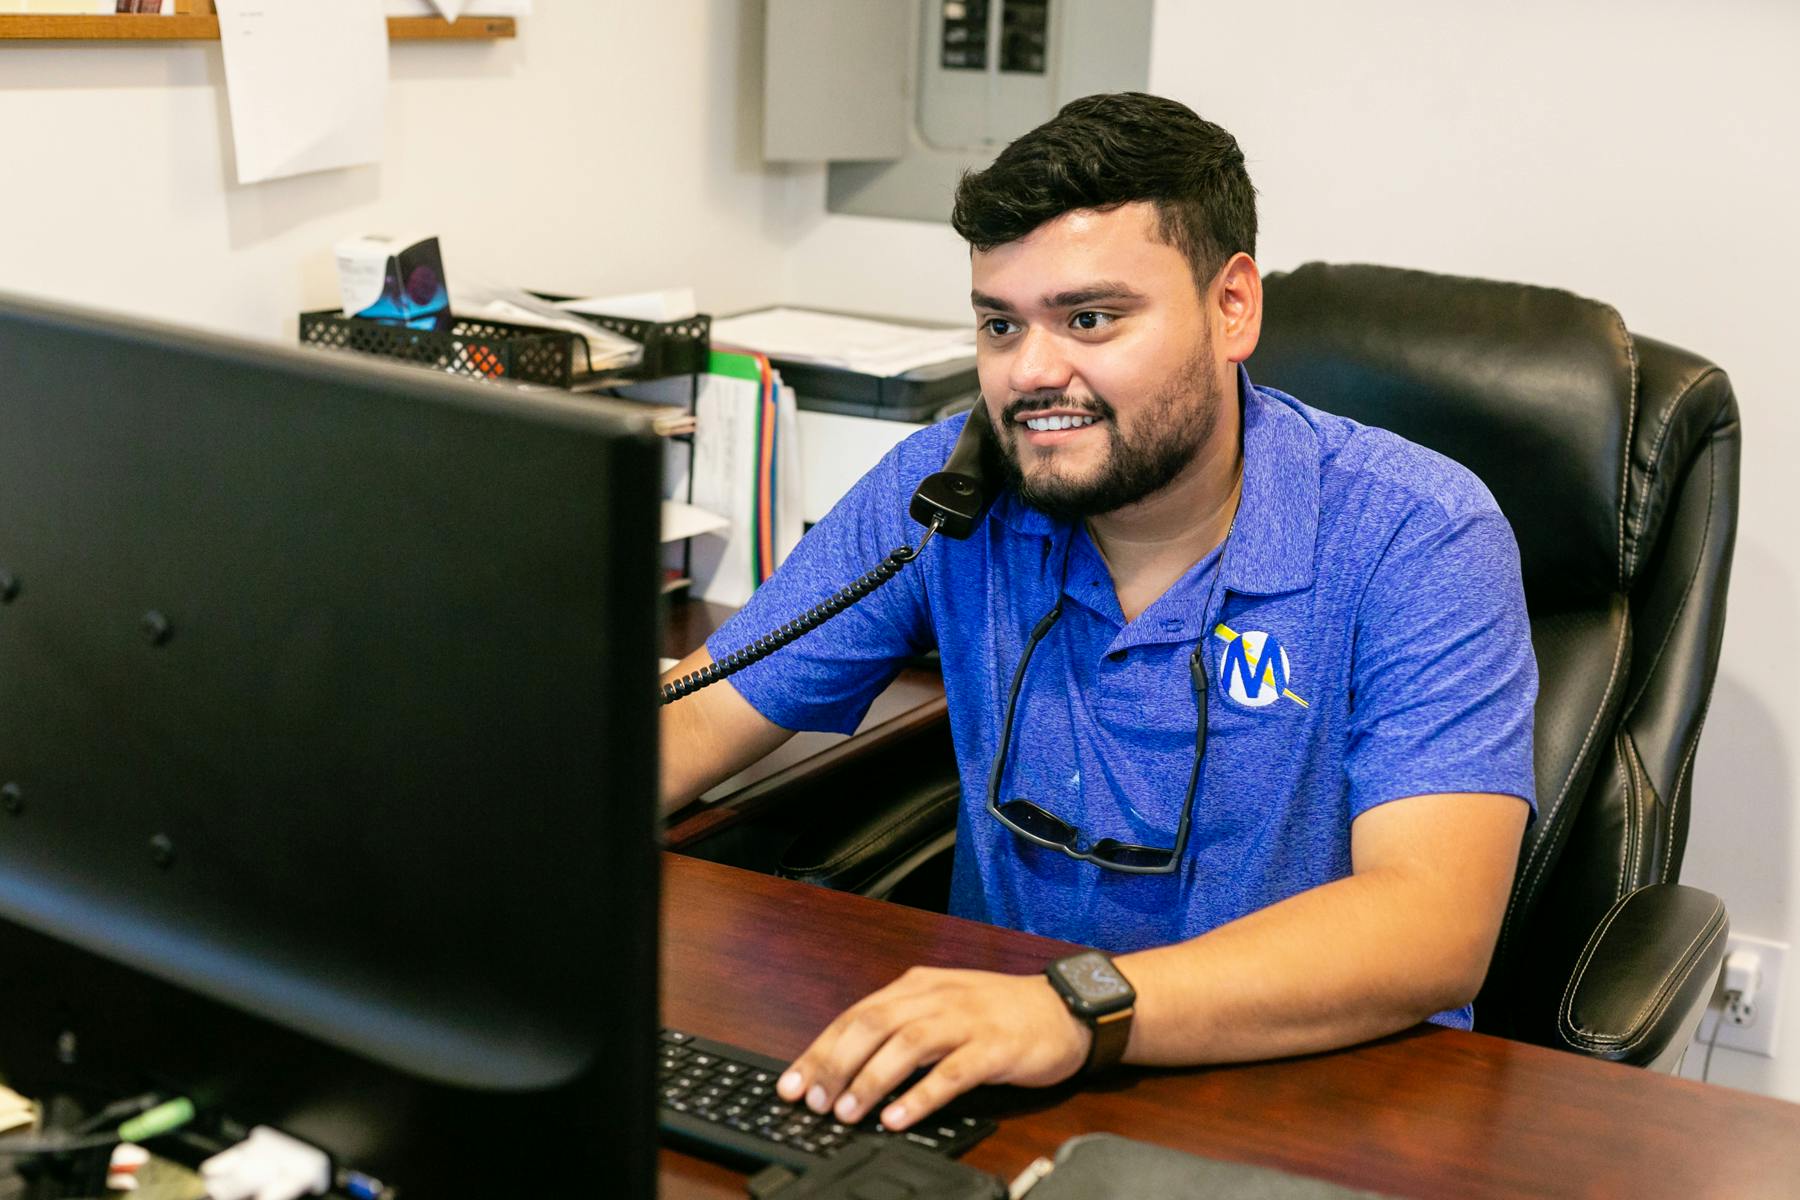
{"x":765,"y":963}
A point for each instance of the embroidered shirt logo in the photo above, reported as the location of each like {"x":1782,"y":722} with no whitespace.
{"x":1254,"y":669}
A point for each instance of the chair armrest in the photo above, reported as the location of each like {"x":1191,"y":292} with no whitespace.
{"x":1642,"y":982}
{"x":871,"y":845}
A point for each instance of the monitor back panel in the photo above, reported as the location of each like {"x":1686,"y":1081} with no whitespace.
{"x":325,"y":706}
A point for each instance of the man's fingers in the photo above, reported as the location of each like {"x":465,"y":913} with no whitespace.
{"x":914,"y":1044}
{"x":819,"y":1074}
{"x":960,"y":1070}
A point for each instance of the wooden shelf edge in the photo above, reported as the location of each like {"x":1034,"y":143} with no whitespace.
{"x":464,"y":29}
{"x":126,"y":28}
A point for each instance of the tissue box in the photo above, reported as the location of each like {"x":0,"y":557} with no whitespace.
{"x":397,"y":280}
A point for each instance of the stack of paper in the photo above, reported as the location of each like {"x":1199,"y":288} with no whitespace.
{"x":858,"y":344}
{"x":686,"y":520}
{"x":15,"y":1110}
{"x":670,"y":304}
{"x":607,"y":351}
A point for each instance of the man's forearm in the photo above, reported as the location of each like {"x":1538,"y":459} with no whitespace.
{"x":1341,"y":963}
{"x":709,"y":736}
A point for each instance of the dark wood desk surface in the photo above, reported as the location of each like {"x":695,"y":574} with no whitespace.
{"x":765,"y":963}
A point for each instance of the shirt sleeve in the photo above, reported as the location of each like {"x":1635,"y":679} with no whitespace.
{"x":1444,"y":680}
{"x":827,"y":678}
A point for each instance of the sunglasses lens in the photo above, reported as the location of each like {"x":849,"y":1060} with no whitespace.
{"x":1120,"y":854}
{"x":1038,"y":823}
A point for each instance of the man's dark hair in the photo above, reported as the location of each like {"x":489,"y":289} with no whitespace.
{"x":1112,"y":149}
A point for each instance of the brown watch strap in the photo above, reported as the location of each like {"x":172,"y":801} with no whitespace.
{"x":1111,"y":1033}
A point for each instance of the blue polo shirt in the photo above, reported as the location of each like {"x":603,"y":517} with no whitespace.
{"x":1364,"y":634}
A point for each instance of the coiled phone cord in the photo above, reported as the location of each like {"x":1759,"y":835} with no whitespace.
{"x":769,"y":643}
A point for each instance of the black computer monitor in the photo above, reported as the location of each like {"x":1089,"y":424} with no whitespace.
{"x":328,"y":752}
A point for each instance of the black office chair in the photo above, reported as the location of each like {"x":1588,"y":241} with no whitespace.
{"x":1615,"y":457}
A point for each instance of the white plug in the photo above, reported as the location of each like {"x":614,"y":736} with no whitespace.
{"x":1743,"y":976}
{"x":267,"y":1165}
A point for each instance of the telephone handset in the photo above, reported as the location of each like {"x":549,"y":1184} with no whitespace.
{"x":950,"y":501}
{"x":954,"y":498}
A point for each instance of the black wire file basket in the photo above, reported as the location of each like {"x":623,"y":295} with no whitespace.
{"x":499,"y":351}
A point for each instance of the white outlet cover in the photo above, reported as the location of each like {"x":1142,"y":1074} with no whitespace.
{"x":1758,"y":1037}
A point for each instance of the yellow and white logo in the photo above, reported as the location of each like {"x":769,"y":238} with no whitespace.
{"x":1254,"y":669}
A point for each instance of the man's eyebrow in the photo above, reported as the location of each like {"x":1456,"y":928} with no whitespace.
{"x":1075,"y":298}
{"x":1094,"y":292}
{"x":983,"y":300}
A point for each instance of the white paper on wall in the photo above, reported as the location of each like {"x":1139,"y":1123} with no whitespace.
{"x":307,"y":81}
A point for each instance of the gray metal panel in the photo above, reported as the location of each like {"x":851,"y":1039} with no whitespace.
{"x":1105,"y":47}
{"x":834,"y":79}
{"x":1097,"y":46}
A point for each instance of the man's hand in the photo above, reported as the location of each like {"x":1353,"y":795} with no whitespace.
{"x":978,"y":1027}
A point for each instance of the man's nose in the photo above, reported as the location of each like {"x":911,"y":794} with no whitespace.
{"x":1039,"y":364}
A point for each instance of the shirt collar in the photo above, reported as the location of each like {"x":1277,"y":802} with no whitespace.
{"x":1272,"y":543}
{"x":1271,"y":548}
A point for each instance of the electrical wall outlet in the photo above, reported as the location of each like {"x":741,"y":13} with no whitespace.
{"x":1749,"y":1024}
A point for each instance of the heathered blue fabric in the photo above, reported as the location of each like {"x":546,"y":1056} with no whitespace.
{"x":1383,"y":570}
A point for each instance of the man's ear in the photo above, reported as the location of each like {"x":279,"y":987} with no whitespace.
{"x":1237,"y":299}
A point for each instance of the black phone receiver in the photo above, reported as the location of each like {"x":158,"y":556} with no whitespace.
{"x":954,"y":498}
{"x":949,"y":502}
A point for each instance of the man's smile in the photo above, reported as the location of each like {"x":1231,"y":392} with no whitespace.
{"x":1047,"y":428}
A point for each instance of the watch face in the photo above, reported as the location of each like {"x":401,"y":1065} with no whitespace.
{"x":1092,"y":977}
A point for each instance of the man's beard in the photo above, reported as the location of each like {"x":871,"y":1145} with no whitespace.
{"x":1169,"y":431}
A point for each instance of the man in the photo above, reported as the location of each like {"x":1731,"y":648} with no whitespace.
{"x":1301,"y":640}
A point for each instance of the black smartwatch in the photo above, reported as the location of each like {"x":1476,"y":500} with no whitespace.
{"x":1096,"y":992}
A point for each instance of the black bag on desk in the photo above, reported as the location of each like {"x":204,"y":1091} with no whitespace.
{"x":871,"y":1168}
{"x":1102,"y":1166}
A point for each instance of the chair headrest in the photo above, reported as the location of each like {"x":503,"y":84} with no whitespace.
{"x":1531,"y":388}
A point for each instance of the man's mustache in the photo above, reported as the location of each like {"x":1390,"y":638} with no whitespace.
{"x":1093,"y":406}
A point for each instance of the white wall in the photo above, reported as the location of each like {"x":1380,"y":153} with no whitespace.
{"x":612,"y":146}
{"x":1638,"y":151}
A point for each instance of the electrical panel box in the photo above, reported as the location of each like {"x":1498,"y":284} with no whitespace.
{"x":831,"y":85}
{"x":973,"y":75}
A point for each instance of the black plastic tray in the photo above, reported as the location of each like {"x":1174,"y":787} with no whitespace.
{"x":498,"y":350}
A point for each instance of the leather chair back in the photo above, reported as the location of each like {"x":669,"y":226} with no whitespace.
{"x":1615,"y":457}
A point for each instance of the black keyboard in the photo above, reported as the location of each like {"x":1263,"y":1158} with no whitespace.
{"x":720,"y":1101}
